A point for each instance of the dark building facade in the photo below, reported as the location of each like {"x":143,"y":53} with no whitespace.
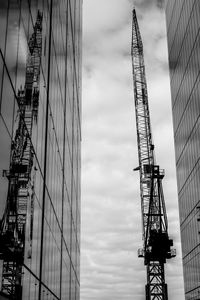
{"x":51,"y":257}
{"x":183,"y":31}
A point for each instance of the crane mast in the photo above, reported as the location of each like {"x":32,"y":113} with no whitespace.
{"x":156,"y":243}
{"x":16,"y":224}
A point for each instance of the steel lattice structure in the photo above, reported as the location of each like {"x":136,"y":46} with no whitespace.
{"x":157,"y":245}
{"x":16,"y":225}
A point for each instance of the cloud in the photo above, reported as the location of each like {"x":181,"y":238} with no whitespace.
{"x":104,"y":16}
{"x":146,"y":4}
{"x":111,"y":216}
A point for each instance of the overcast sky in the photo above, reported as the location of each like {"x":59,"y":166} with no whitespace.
{"x":111,"y":217}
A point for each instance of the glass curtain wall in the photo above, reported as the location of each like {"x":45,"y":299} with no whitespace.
{"x":52,"y":255}
{"x":183,"y":29}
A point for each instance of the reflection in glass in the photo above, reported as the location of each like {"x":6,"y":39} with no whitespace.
{"x":184,"y":59}
{"x":52,"y":253}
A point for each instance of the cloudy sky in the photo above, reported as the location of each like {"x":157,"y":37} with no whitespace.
{"x":111,"y":216}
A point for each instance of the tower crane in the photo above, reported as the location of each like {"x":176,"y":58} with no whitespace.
{"x":16,"y":224}
{"x":156,"y":242}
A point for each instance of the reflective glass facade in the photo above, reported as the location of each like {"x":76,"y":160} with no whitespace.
{"x":183,"y":29}
{"x":51,"y":264}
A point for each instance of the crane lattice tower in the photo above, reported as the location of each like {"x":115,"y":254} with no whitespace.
{"x":156,"y":243}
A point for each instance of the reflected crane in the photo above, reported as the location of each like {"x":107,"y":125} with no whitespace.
{"x":17,"y":222}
